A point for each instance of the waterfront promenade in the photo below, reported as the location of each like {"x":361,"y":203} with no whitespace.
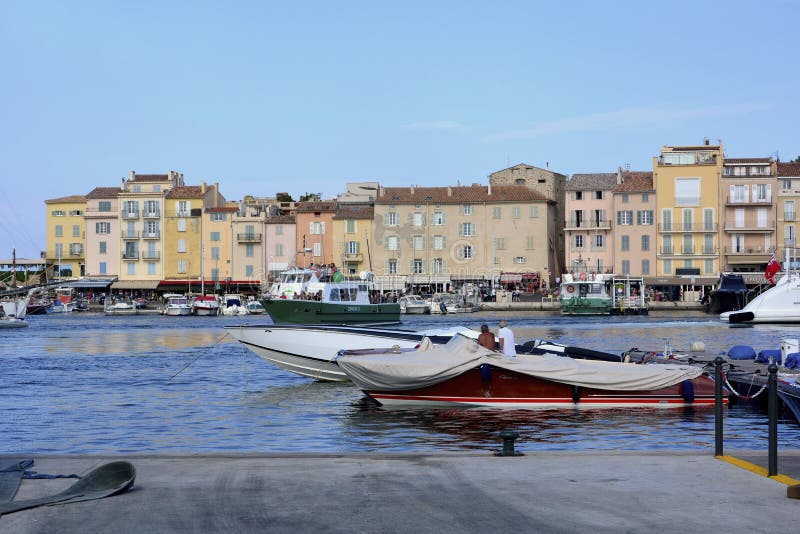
{"x":470,"y":492}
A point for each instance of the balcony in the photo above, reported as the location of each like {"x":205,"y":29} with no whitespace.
{"x":129,"y":215}
{"x":151,"y":255}
{"x":151,"y":214}
{"x":75,"y":253}
{"x":731,"y":226}
{"x":739,"y":201}
{"x":687,"y":250}
{"x":130,"y":255}
{"x":356,"y":256}
{"x":130,"y":235}
{"x":789,"y":242}
{"x":746,"y":250}
{"x":590,"y":224}
{"x":183,"y":213}
{"x":248,"y":238}
{"x":151,"y":235}
{"x":789,"y":216}
{"x":687,"y":227}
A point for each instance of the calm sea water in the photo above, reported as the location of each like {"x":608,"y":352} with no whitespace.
{"x":87,"y":383}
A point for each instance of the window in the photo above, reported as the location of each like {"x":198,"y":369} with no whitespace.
{"x":279,"y":249}
{"x":59,"y":231}
{"x":131,"y":208}
{"x":182,"y":208}
{"x":739,"y":194}
{"x":598,"y":195}
{"x":248,"y":271}
{"x":625,"y":218}
{"x":468,"y":229}
{"x":392,"y":219}
{"x":625,"y":243}
{"x":500,"y":243}
{"x":666,"y":219}
{"x":250,"y":231}
{"x":317,"y":228}
{"x":624,"y":198}
{"x":317,"y":250}
{"x":626,"y":266}
{"x":391,"y":267}
{"x":687,"y":191}
{"x":137,"y":188}
{"x":515,"y":212}
{"x":520,"y":259}
{"x":249,"y":250}
{"x":438,"y":265}
{"x":667,"y":266}
{"x":645,"y":197}
{"x":103,"y":247}
{"x":102,"y":228}
{"x":58,"y":213}
{"x":214,"y":236}
{"x":104,"y":205}
{"x":688,"y":244}
{"x":181,"y":266}
{"x":666,"y":245}
{"x":59,"y":249}
{"x":156,"y":189}
{"x":181,"y":245}
{"x":417,"y":219}
{"x":645,"y":267}
{"x":392,"y":242}
{"x":181,"y":225}
{"x":131,"y":268}
{"x":278,"y":229}
{"x":151,"y":267}
{"x":762,"y":193}
{"x":533,"y":212}
{"x":598,"y":241}
{"x":151,"y":208}
{"x":787,"y":184}
{"x":219,"y":216}
{"x":529,"y":243}
{"x":417,"y":266}
{"x":466,"y":252}
{"x":497,"y":213}
{"x":578,"y":241}
{"x":438,"y":218}
{"x":103,"y":267}
{"x":151,"y":229}
{"x":466,"y":209}
{"x":214,"y":253}
{"x":708,"y":243}
{"x":350,"y":226}
{"x":418,"y":242}
{"x":75,"y":249}
{"x":438,"y":242}
{"x":644,"y":217}
{"x":215,"y":274}
{"x":578,"y":195}
{"x":709,"y":267}
{"x":645,"y":242}
{"x":788,"y":210}
{"x":352,"y":247}
{"x":737,"y":242}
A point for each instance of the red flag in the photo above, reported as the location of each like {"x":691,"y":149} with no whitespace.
{"x":772,"y":268}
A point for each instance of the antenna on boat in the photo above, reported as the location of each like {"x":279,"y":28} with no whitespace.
{"x":369,"y":256}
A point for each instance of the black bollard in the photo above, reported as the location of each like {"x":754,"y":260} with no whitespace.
{"x":718,"y":361}
{"x":772,"y":414}
{"x":508,"y":437}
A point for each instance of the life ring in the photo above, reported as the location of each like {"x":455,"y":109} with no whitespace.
{"x":583,"y":277}
{"x":570,"y":289}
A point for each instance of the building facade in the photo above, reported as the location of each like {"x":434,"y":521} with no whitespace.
{"x":102,"y":232}
{"x":787,"y":205}
{"x":588,"y":208}
{"x":352,"y":237}
{"x":66,"y":235}
{"x":314,"y":221}
{"x":280,"y":243}
{"x":634,"y":231}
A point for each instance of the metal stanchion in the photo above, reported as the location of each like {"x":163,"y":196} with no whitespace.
{"x":772,"y":413}
{"x":718,"y":361}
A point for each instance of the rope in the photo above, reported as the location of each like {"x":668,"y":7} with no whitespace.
{"x":743,"y":397}
{"x":209,"y":347}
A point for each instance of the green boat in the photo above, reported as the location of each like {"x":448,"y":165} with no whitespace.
{"x":302,"y":296}
{"x":585,"y":294}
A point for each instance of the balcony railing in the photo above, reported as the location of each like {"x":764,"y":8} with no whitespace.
{"x":746,"y":250}
{"x":127,"y":255}
{"x":788,"y":242}
{"x":588,"y":224}
{"x":688,"y":227}
{"x":130,"y":214}
{"x":151,"y":214}
{"x":248,"y":238}
{"x":788,"y":216}
{"x":708,"y":250}
{"x":354,"y":256}
{"x":182,"y":213}
{"x":687,"y":250}
{"x":151,"y":235}
{"x":130,"y":235}
{"x":741,"y":201}
{"x":152,"y":255}
{"x":666,"y":249}
{"x":731,"y":226}
{"x":75,"y":253}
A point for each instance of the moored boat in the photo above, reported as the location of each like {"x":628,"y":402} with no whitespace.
{"x":177,"y":305}
{"x":413,"y":304}
{"x":729,"y":295}
{"x":254,"y":307}
{"x":233,"y":304}
{"x":205,"y":305}
{"x":585,"y":293}
{"x":778,"y":304}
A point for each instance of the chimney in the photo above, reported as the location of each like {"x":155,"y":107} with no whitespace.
{"x":706,"y":142}
{"x":489,"y":190}
{"x":449,"y":191}
{"x":202,"y":186}
{"x":412,"y":189}
{"x":380,"y":191}
{"x":619,"y":175}
{"x":131,"y":176}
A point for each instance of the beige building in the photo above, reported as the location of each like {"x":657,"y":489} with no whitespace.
{"x":218,"y":244}
{"x":588,"y":208}
{"x":749,"y":216}
{"x":248,"y":261}
{"x":352,"y":237}
{"x":66,"y":235}
{"x":687,"y":182}
{"x":314,"y":220}
{"x":788,"y":205}
{"x":102,"y":232}
{"x":280,"y":243}
{"x":436,"y":236}
{"x":634,"y":230}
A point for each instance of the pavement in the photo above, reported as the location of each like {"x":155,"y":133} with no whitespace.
{"x":554,"y":492}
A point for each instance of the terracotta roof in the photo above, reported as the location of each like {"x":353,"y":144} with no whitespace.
{"x":150,"y":177}
{"x":789,"y":169}
{"x":104,"y":192}
{"x":692,"y":148}
{"x":186,"y":191}
{"x":458,"y":194}
{"x":603,"y":181}
{"x":635,"y":182}
{"x":316,"y":205}
{"x":223,"y":209}
{"x":354,"y":212}
{"x":746,"y":160}
{"x":281,"y":219}
{"x":64,"y":200}
{"x":527,"y":166}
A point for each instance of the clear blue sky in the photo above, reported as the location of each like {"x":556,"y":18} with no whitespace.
{"x":305,"y":96}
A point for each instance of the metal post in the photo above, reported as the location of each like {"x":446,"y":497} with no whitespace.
{"x":718,"y":361}
{"x":772,"y":411}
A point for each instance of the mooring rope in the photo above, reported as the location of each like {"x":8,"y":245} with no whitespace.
{"x":743,"y":397}
{"x":202,"y":353}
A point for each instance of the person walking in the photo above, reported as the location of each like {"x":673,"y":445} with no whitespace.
{"x":506,"y":337}
{"x":486,"y":339}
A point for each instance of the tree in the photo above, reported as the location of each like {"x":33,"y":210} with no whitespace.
{"x":795,"y":160}
{"x":310,"y":197}
{"x":284,"y":197}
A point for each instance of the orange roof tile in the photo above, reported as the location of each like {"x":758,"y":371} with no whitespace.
{"x":458,"y":194}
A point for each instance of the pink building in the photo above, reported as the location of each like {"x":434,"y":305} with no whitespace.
{"x":280,"y":244}
{"x":587,"y":231}
{"x":634,"y":201}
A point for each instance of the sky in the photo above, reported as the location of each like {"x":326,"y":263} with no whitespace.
{"x":304,"y":96}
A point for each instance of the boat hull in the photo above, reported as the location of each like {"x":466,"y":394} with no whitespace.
{"x":512,"y":390}
{"x":417,"y":310}
{"x":206,"y":311}
{"x":175,"y":312}
{"x":585,"y":306}
{"x":290,"y":311}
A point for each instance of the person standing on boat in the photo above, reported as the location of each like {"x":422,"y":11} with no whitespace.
{"x":486,"y":339}
{"x":336,"y":274}
{"x":506,"y":337}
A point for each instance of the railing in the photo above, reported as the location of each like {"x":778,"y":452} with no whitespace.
{"x":709,"y":250}
{"x":151,"y":214}
{"x":743,"y":201}
{"x":130,"y":255}
{"x":355,"y":256}
{"x":130,"y":235}
{"x":154,"y":255}
{"x":248,"y":237}
{"x":588,"y":224}
{"x":745,"y":250}
{"x":788,"y":216}
{"x":687,"y":227}
{"x":788,"y":242}
{"x":75,"y":253}
{"x":733,"y":226}
{"x":151,"y":235}
{"x":183,"y":213}
{"x":666,"y":249}
{"x":687,"y":250}
{"x":130,"y":214}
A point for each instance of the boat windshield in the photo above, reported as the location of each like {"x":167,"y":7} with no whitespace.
{"x":177,"y":301}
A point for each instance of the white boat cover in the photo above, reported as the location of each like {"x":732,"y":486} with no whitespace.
{"x":431,"y":364}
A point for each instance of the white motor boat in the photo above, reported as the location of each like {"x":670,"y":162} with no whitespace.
{"x":121,"y":307}
{"x":778,"y":304}
{"x":205,"y":305}
{"x":413,"y":304}
{"x":12,"y":312}
{"x":233,"y":304}
{"x":255,"y":307}
{"x":310,"y":350}
{"x":177,"y":305}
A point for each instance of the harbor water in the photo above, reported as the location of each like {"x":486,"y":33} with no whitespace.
{"x":93,"y":384}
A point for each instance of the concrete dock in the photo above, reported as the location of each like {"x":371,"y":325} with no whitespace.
{"x":458,"y":492}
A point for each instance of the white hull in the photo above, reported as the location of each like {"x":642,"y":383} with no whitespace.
{"x":206,"y":311}
{"x":416,"y":310}
{"x":779,"y":304}
{"x":12,"y":322}
{"x":178,"y":311}
{"x":234,"y":310}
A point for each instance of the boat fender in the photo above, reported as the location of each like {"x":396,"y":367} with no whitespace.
{"x":576,"y":394}
{"x":792,"y":361}
{"x":698,"y":346}
{"x":687,"y":391}
{"x":443,"y":307}
{"x":765,"y":356}
{"x":486,"y":373}
{"x":741,"y":352}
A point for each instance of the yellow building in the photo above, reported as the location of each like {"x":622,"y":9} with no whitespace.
{"x":687,"y":182}
{"x":352,"y":237}
{"x":66,"y":234}
{"x":218,"y":244}
{"x":788,"y":204}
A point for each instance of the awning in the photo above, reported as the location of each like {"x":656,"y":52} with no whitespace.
{"x":680,"y":280}
{"x":390,"y":283}
{"x":466,"y":277}
{"x":91,"y":283}
{"x":510,"y":278}
{"x":135,"y":284}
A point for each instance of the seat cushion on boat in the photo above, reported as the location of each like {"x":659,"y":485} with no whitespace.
{"x":765,"y":356}
{"x":792,"y":361}
{"x":741,"y":352}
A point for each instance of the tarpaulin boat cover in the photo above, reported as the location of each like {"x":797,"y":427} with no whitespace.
{"x":431,"y":364}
